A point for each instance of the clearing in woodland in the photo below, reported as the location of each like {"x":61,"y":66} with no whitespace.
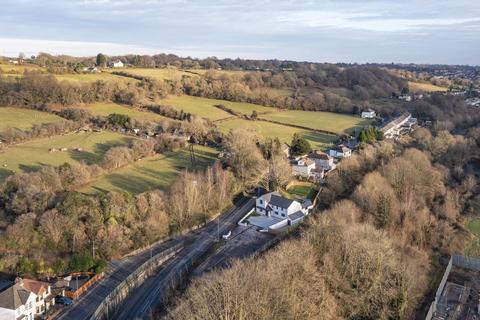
{"x":156,"y":172}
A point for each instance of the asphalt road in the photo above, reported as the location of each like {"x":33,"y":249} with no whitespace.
{"x":142,"y":300}
{"x":118,"y":270}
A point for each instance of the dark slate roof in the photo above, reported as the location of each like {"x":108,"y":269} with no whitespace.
{"x":296,"y":215}
{"x":268,"y":196}
{"x":279,"y":201}
{"x":307,"y":203}
{"x":341,"y":148}
{"x":319,"y":155}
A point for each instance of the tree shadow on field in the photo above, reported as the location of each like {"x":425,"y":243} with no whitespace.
{"x":319,"y":137}
{"x":84,"y":156}
{"x":31,"y":167}
{"x":101,"y":148}
{"x":133,"y":184}
{"x":4,"y":173}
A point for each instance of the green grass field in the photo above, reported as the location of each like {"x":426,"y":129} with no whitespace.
{"x":19,"y":69}
{"x":424,"y":87}
{"x":23,"y":118}
{"x":31,"y":155}
{"x":328,"y":121}
{"x":283,"y":133}
{"x":198,"y":106}
{"x":152,"y":173}
{"x":104,"y":109}
{"x":92,"y":77}
{"x":473,"y":248}
{"x":205,"y":108}
{"x":157,"y":73}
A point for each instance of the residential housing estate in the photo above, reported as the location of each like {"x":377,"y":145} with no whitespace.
{"x":313,"y":166}
{"x":398,"y":126}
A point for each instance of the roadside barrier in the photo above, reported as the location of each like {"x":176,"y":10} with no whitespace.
{"x":134,"y":280}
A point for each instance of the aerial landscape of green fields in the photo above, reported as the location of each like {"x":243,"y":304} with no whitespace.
{"x":23,"y":118}
{"x":155,"y":172}
{"x":31,"y":155}
{"x":239,"y":160}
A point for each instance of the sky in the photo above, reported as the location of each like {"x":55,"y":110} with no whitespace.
{"x":384,"y":31}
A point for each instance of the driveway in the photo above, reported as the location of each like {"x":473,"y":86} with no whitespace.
{"x":263,"y":221}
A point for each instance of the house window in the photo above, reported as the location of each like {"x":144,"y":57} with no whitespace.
{"x":260,"y":201}
{"x":283,"y":214}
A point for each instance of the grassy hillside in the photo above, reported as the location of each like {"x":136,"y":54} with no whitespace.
{"x":199,"y":106}
{"x":157,"y":73}
{"x":104,"y":109}
{"x":23,"y":118}
{"x":328,"y":121}
{"x":19,"y":69}
{"x":283,"y":133}
{"x":204,"y":107}
{"x":154,"y":172}
{"x":424,"y":87}
{"x":33,"y":154}
{"x":92,"y":77}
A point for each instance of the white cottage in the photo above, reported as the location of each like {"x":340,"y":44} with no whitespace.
{"x":368,"y":114}
{"x":274,"y":205}
{"x":17,"y":302}
{"x":340,"y":151}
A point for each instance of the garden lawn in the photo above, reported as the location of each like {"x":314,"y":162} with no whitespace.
{"x":283,"y":133}
{"x":201,"y":107}
{"x":328,"y":121}
{"x":105,"y":109}
{"x":22,"y":118}
{"x":31,"y":155}
{"x":303,"y":191}
{"x":156,"y":172}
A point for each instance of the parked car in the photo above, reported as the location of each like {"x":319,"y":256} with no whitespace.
{"x":226,"y":236}
{"x":63,"y":300}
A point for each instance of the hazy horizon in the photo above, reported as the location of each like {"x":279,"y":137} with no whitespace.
{"x":375,"y":31}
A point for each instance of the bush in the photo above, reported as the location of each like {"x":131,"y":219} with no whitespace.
{"x":81,"y":262}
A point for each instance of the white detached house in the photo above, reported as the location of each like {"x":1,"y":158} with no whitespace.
{"x":274,"y":205}
{"x":340,"y":151}
{"x":368,"y":114}
{"x":17,"y":302}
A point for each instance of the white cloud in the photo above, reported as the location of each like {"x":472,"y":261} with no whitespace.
{"x":365,"y":21}
{"x":11,"y":47}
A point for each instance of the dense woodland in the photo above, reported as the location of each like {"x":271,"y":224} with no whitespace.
{"x":389,"y":213}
